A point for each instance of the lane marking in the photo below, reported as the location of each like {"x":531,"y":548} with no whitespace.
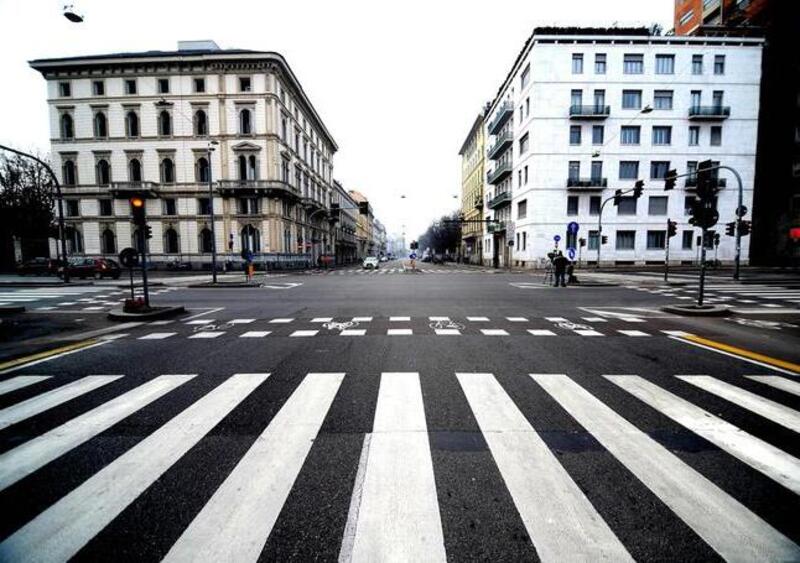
{"x":362,"y":319}
{"x":304,"y":333}
{"x":447,"y":332}
{"x":781,"y":383}
{"x":399,"y":319}
{"x":541,"y":332}
{"x":280,"y":321}
{"x":255,"y":334}
{"x":438,"y":318}
{"x":399,"y":332}
{"x":241,"y":321}
{"x":353,"y":332}
{"x":517,"y":319}
{"x":321,"y":319}
{"x":585,"y":332}
{"x":201,"y":322}
{"x":633,"y":333}
{"x":210,"y":311}
{"x":157,"y":336}
{"x":741,"y":353}
{"x":20,"y":381}
{"x":476,"y":319}
{"x":494,"y":332}
{"x":40,"y":357}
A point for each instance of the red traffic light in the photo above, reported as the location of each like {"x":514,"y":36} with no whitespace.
{"x":794,"y":233}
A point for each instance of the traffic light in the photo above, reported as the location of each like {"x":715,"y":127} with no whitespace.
{"x":703,"y":213}
{"x":137,"y":210}
{"x":363,"y":207}
{"x":730,"y":228}
{"x":716,"y":239}
{"x":745,"y":227}
{"x":672,"y":228}
{"x":148,"y":232}
{"x":637,"y":188}
{"x":604,"y":239}
{"x":581,"y":242}
{"x":670,"y":179}
{"x":617,"y":197}
{"x":414,"y":245}
{"x":335,"y":211}
{"x":706,"y":182}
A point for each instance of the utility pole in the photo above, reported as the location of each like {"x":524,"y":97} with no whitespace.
{"x":209,"y":150}
{"x":672,"y":230}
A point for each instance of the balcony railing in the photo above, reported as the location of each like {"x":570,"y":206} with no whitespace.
{"x":587,"y":182}
{"x":691,"y":182}
{"x":499,"y":200}
{"x":496,"y":227}
{"x":503,"y":141}
{"x":577,"y":111}
{"x":269,"y":187}
{"x":477,"y":202}
{"x":124,"y":189}
{"x":501,"y":171}
{"x":709,"y":113}
{"x":503,"y":112}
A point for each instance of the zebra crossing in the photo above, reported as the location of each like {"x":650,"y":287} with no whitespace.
{"x":778,"y":295}
{"x":399,"y":270}
{"x":395,"y":511}
{"x":79,"y":298}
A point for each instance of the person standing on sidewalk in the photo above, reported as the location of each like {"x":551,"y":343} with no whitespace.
{"x":560,"y":266}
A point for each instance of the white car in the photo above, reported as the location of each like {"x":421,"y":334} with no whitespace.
{"x":370,"y":262}
{"x":384,"y":259}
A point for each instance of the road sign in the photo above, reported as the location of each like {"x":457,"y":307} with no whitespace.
{"x":571,"y":253}
{"x":741,"y":211}
{"x":572,"y":228}
{"x":247,"y":255}
{"x":129,"y":257}
{"x":557,"y":238}
{"x":412,"y":256}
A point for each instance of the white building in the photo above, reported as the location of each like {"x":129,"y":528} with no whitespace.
{"x":145,"y":123}
{"x":572,"y":123}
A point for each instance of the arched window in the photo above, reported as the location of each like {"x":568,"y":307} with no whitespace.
{"x":108,"y":242}
{"x":68,"y":174}
{"x":252,"y":169}
{"x":242,"y":167}
{"x":132,"y":124}
{"x":202,"y":169}
{"x":251,"y":239}
{"x":167,"y":171}
{"x":136,"y":242}
{"x":206,"y":241}
{"x":74,"y":240}
{"x":164,"y":123}
{"x":171,"y":245}
{"x":67,"y":128}
{"x":135,"y":170}
{"x":200,"y":123}
{"x":245,"y":125}
{"x":103,"y":172}
{"x":100,"y":125}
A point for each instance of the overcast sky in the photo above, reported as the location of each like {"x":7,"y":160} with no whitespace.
{"x":398,"y":84}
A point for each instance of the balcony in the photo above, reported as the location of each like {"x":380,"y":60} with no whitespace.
{"x":499,"y":173}
{"x":504,"y":111}
{"x":691,"y":182}
{"x":502,"y":142}
{"x":256,"y":187}
{"x":709,"y":113}
{"x":311,"y":204}
{"x":499,"y":200}
{"x":587,"y":183}
{"x":589,"y":112}
{"x":496,"y":227}
{"x":477,"y":202}
{"x":129,"y":189}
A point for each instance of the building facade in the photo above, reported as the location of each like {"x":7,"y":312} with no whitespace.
{"x":473,"y":159}
{"x":345,"y":229}
{"x":584,"y":112}
{"x":364,"y":227}
{"x":164,"y":124}
{"x":379,"y":237}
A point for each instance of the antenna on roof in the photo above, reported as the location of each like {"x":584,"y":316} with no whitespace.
{"x":71,"y":14}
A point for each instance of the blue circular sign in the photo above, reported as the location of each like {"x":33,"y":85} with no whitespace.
{"x":412,"y":256}
{"x":572,"y":228}
{"x":557,"y":238}
{"x":571,"y":253}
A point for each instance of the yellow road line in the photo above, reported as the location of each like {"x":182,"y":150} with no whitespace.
{"x":46,"y":354}
{"x":743,"y":353}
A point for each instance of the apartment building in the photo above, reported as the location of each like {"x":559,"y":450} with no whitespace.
{"x":473,"y":159}
{"x":364,"y":227}
{"x":584,"y":112}
{"x":345,"y":225}
{"x":163,"y":124}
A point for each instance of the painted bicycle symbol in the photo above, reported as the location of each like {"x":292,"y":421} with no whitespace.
{"x":568,"y":325}
{"x":445,"y":324}
{"x":333,"y":325}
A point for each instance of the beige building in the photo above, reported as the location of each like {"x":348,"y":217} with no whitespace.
{"x":472,"y":179}
{"x":364,"y":227}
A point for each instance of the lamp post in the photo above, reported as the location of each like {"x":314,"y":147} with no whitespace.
{"x":209,"y":150}
{"x":60,"y":199}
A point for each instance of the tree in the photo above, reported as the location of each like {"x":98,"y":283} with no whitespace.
{"x":443,"y":235}
{"x":26,"y":207}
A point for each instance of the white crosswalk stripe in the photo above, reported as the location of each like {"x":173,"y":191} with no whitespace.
{"x":778,"y":382}
{"x":20,"y":381}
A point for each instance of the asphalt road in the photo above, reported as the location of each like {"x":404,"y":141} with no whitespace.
{"x":453,"y":414}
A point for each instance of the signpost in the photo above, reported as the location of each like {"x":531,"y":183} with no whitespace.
{"x":129,"y":258}
{"x":571,"y":253}
{"x":556,"y":238}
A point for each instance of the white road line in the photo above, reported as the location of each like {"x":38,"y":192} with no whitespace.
{"x":301,"y":333}
{"x":447,"y":331}
{"x":741,"y":358}
{"x":478,"y":319}
{"x":201,"y":322}
{"x":586,"y":332}
{"x":676,"y":332}
{"x":321,"y":319}
{"x":729,"y":527}
{"x":494,"y":332}
{"x":632,"y":319}
{"x":398,"y":517}
{"x":30,"y":456}
{"x":399,"y":319}
{"x":561,"y":522}
{"x":157,"y":336}
{"x":633,"y":333}
{"x":594,"y":319}
{"x":235,"y":523}
{"x":541,"y":332}
{"x":50,"y":399}
{"x":64,"y":528}
{"x":255,"y":334}
{"x":362,"y":319}
{"x":241,"y":321}
{"x":208,"y":312}
{"x":280,"y":321}
{"x":438,"y":318}
{"x":207,"y":334}
{"x":20,"y":381}
{"x":771,"y":410}
{"x":399,"y":332}
{"x":761,"y":456}
{"x":556,"y":319}
{"x":353,"y":332}
{"x":517,"y":319}
{"x":781,"y":383}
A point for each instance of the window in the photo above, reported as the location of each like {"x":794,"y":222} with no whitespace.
{"x":716,"y":98}
{"x":64,"y":89}
{"x":163,"y":85}
{"x":200,"y":123}
{"x":630,"y":134}
{"x":202,"y":170}
{"x":709,"y":241}
{"x":167,"y":171}
{"x":697,"y":64}
{"x":658,"y":169}
{"x":662,"y":99}
{"x":98,"y":88}
{"x":656,"y":240}
{"x":248,"y":206}
{"x":600,"y":63}
{"x":74,"y":240}
{"x":103,"y":172}
{"x":522,"y":209}
{"x":251,"y":239}
{"x":633,"y":64}
{"x":105,"y":207}
{"x":695,"y":98}
{"x":206,"y":241}
{"x":627,"y":206}
{"x":130,"y":86}
{"x":574,"y":170}
{"x":134,"y":170}
{"x":597,"y":170}
{"x":574,"y":134}
{"x":525,"y":77}
{"x":100,"y":125}
{"x":665,"y":64}
{"x":527,"y":107}
{"x":171,"y":245}
{"x":688,"y":204}
{"x":168,"y":207}
{"x":245,"y":84}
{"x":285,"y":133}
{"x":576,"y":97}
{"x":69,"y":176}
{"x":719,"y":64}
{"x":247,"y":168}
{"x":629,"y":170}
{"x":716,"y":135}
{"x":577,"y":63}
{"x":526,"y":174}
{"x":523,"y":144}
{"x":662,"y":135}
{"x":164,"y":124}
{"x":73,"y":208}
{"x":108,"y":242}
{"x":524,"y":240}
{"x":626,"y":240}
{"x":131,"y":124}
{"x":599,"y":100}
{"x":199,"y":85}
{"x":685,"y":18}
{"x":691,"y":169}
{"x":594,"y":204}
{"x":572,"y":205}
{"x":594,"y":240}
{"x":598,"y":134}
{"x":67,"y":127}
{"x":245,"y":126}
{"x":686,"y":240}
{"x":657,"y":205}
{"x":694,"y":135}
{"x":631,"y":99}
{"x":203,"y":206}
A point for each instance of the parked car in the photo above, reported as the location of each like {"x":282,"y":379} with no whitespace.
{"x":39,"y":267}
{"x":92,"y":268}
{"x":384,"y":259}
{"x":370,"y":262}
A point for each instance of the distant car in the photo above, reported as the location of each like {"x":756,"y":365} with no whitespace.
{"x":370,"y":263}
{"x":39,"y":267}
{"x":384,"y":259}
{"x":426,"y":258}
{"x":92,"y":268}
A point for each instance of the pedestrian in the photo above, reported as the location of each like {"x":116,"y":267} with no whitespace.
{"x":571,"y":277}
{"x":560,"y":267}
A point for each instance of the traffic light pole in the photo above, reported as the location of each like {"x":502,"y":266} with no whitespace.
{"x":666,"y":258}
{"x":739,"y":208}
{"x":600,"y":222}
{"x":704,"y":232}
{"x":143,"y":246}
{"x":211,"y":215}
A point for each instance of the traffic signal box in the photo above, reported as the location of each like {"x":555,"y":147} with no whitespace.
{"x":137,"y":210}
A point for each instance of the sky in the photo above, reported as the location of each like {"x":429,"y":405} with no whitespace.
{"x":397,"y":83}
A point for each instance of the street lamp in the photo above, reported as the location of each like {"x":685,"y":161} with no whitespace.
{"x":71,"y":14}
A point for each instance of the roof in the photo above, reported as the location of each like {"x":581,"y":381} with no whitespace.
{"x":37,"y":63}
{"x":475,"y":126}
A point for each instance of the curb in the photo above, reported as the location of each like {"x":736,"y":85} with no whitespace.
{"x":160,"y":313}
{"x":223,"y":285}
{"x":139,"y":284}
{"x":695,"y":311}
